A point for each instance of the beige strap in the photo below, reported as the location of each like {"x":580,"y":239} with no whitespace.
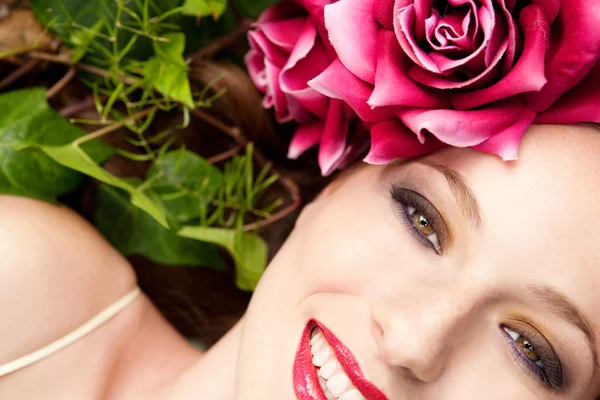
{"x":72,"y":337}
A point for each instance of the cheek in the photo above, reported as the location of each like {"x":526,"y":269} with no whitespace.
{"x":347,"y":243}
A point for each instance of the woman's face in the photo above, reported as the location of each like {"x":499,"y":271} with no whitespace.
{"x":457,"y":276}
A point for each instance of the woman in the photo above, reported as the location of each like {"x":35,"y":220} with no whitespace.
{"x":450,"y":276}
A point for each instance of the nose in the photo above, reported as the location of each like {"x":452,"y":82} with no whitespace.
{"x":416,"y":337}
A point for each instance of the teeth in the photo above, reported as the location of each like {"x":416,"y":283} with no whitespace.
{"x":316,"y":339}
{"x":352,"y":394}
{"x":328,"y":369}
{"x":317,"y":345}
{"x":338,"y":384}
{"x":321,"y":357}
{"x":333,"y":380}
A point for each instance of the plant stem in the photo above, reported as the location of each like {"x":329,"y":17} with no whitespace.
{"x":114,"y":127}
{"x":224,"y":156}
{"x":58,"y":86}
{"x":241,"y":140}
{"x":17,"y":51}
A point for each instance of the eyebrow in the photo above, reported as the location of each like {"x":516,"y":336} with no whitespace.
{"x":560,"y":305}
{"x":464,"y":196}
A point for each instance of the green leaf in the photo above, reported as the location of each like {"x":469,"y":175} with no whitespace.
{"x":248,"y":250}
{"x":134,"y":232}
{"x":167,"y":71}
{"x":253,"y":8}
{"x":27,"y":123}
{"x":183,"y":180}
{"x":72,"y":156}
{"x":203,"y":8}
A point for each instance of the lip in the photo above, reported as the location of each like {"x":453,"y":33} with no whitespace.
{"x":306,"y":380}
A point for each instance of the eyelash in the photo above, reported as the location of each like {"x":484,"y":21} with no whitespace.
{"x":550,"y":374}
{"x":407,"y":199}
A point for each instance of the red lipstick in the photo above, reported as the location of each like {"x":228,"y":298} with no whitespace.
{"x":306,"y":380}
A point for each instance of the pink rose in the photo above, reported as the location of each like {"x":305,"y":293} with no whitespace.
{"x":289,"y":47}
{"x":467,"y":73}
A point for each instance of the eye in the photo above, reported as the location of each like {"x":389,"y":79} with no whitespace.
{"x":532,"y":350}
{"x":424,"y":226}
{"x":421,"y":218}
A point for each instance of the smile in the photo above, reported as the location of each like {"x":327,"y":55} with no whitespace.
{"x":325,"y":369}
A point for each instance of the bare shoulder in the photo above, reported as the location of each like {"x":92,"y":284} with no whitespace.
{"x":56,"y":272}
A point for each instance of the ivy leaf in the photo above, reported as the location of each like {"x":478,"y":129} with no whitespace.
{"x":248,"y":250}
{"x":133,"y":232}
{"x":27,"y":123}
{"x":203,"y":8}
{"x":253,"y":8}
{"x":185,"y":182}
{"x":167,"y":71}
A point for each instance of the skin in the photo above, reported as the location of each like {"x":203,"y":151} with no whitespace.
{"x":422,"y":325}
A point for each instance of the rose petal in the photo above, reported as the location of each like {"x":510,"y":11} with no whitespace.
{"x":572,"y":54}
{"x":527,"y":75}
{"x":357,"y":146}
{"x":275,"y":96}
{"x":391,"y":140}
{"x":308,"y":59}
{"x":339,"y":83}
{"x":255,"y":62}
{"x":550,"y":7}
{"x":450,"y":32}
{"x":581,"y":104}
{"x":506,"y":143}
{"x":511,"y":50}
{"x":393,"y":87}
{"x":463,"y":128}
{"x":353,"y":34}
{"x":259,"y":42}
{"x":405,"y":21}
{"x":333,"y":140}
{"x":423,"y":9}
{"x":383,"y":11}
{"x":438,"y":81}
{"x":283,"y":34}
{"x":305,"y":137}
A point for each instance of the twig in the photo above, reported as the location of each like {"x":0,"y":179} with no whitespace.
{"x":222,"y":42}
{"x":224,"y":156}
{"x":18,"y":73}
{"x":76,"y":108}
{"x":55,"y":58}
{"x":114,"y":127}
{"x":58,"y":86}
{"x":17,"y":51}
{"x":242,"y":141}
